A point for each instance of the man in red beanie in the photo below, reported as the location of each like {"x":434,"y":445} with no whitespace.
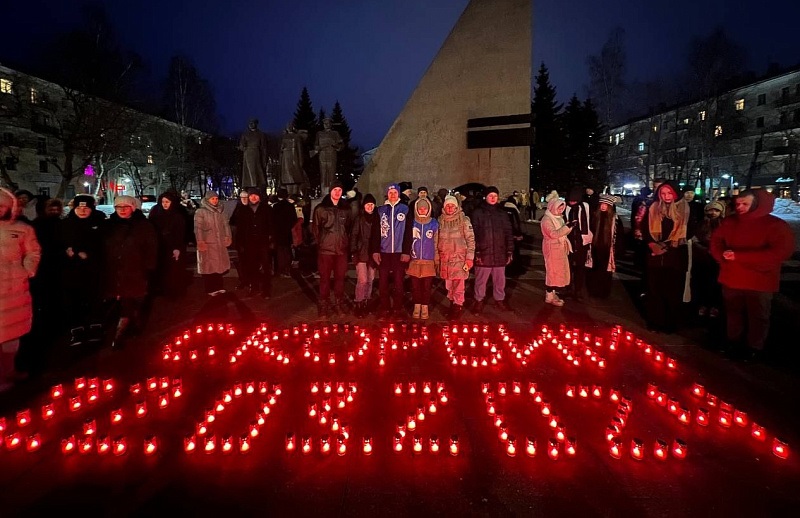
{"x":750,"y":247}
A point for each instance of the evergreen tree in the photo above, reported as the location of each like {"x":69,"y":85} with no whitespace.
{"x":320,"y":118}
{"x":597,"y":147}
{"x":547,"y":151}
{"x":347,"y":160}
{"x":304,"y":118}
{"x":583,"y":145}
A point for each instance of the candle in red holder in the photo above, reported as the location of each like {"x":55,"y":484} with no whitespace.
{"x":92,"y":394}
{"x":366,"y":443}
{"x":637,"y":449}
{"x":150,"y":445}
{"x":702,"y":416}
{"x":226,"y":444}
{"x":712,"y":400}
{"x":545,"y":408}
{"x":141,"y":408}
{"x":684,"y":415}
{"x":341,"y":445}
{"x":758,"y":432}
{"x":68,"y":445}
{"x":136,"y":389}
{"x":417,"y":444}
{"x":325,"y":444}
{"x":560,"y":433}
{"x":531,"y":388}
{"x":615,"y":449}
{"x":219,"y":407}
{"x":673,"y":406}
{"x":583,"y":391}
{"x":780,"y":448}
{"x":490,"y":409}
{"x":511,"y":446}
{"x":33,"y":443}
{"x":553,"y":449}
{"x":89,"y":427}
{"x":23,"y":417}
{"x":244,"y":444}
{"x":698,"y":390}
{"x":48,"y":411}
{"x":661,"y":399}
{"x":652,"y":391}
{"x":57,"y":391}
{"x":660,"y":449}
{"x":553,"y":420}
{"x":163,"y":400}
{"x":597,"y":392}
{"x":80,"y":383}
{"x":740,"y":418}
{"x":398,"y":443}
{"x":570,"y":390}
{"x":13,"y":441}
{"x":189,"y":443}
{"x":119,"y":445}
{"x":679,"y":449}
{"x":570,"y":446}
{"x":433,"y":444}
{"x":151,"y":383}
{"x":612,"y":432}
{"x":85,"y":445}
{"x":290,"y":442}
{"x":614,"y":395}
{"x":453,"y":448}
{"x":210,"y":444}
{"x":725,"y":419}
{"x":75,"y":403}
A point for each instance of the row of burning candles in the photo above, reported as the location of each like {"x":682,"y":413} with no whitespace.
{"x":554,"y":447}
{"x":726,"y":417}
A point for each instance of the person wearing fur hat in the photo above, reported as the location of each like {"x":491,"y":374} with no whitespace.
{"x":331,"y":226}
{"x":386,"y":248}
{"x":456,"y":248}
{"x":556,"y":248}
{"x":751,"y":245}
{"x":494,"y":249}
{"x":359,"y":248}
{"x":706,"y":291}
{"x":666,"y":228}
{"x":607,"y":245}
{"x":130,"y":253}
{"x":213,"y":235}
{"x":255,"y":233}
{"x":81,"y":246}
{"x":19,"y":258}
{"x":420,"y":243}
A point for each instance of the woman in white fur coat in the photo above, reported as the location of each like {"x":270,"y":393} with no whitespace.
{"x":555,"y":248}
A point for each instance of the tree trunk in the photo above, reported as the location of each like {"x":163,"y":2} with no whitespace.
{"x":66,"y":174}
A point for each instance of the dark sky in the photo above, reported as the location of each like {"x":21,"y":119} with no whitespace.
{"x":370,"y":54}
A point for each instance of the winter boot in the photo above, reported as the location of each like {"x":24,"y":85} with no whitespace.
{"x":551,"y":298}
{"x":455,"y":311}
{"x":417,"y":311}
{"x":77,"y":336}
{"x":423,"y":313}
{"x":323,"y":310}
{"x":502,"y":305}
{"x":341,"y":307}
{"x":478,"y":307}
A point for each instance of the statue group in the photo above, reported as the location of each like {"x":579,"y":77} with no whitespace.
{"x":253,"y":144}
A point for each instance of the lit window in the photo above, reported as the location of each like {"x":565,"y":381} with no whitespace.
{"x":739,"y":104}
{"x":718,"y":131}
{"x":611,"y":139}
{"x":702,"y":115}
{"x":6,"y":86}
{"x":149,"y":159}
{"x":199,"y":140}
{"x":616,"y":139}
{"x":622,"y":135}
{"x":34,"y":95}
{"x":641,"y":146}
{"x":686,"y":121}
{"x":655,"y":128}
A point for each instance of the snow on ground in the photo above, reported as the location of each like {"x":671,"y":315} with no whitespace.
{"x":789,"y":211}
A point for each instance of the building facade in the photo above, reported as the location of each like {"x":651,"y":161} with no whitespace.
{"x":747,"y":136}
{"x":114,"y":150}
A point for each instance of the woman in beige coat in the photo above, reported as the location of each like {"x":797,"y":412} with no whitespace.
{"x":556,"y":249}
{"x":213,"y":237}
{"x":19,"y":257}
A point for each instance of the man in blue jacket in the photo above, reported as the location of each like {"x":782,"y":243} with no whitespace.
{"x":386,"y":247}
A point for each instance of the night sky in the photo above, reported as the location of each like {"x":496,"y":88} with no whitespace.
{"x":370,"y":54}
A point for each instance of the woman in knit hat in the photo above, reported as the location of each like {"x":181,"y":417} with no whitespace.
{"x":420,"y":243}
{"x":19,"y":258}
{"x":555,"y":249}
{"x":607,"y":245}
{"x":213,"y":235}
{"x":81,"y":245}
{"x":706,"y":290}
{"x":456,"y":249}
{"x":359,"y":247}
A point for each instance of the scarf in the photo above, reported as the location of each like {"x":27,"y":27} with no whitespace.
{"x":678,"y":212}
{"x":558,"y":222}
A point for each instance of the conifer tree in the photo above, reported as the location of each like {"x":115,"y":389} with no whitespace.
{"x":347,"y":160}
{"x":547,"y":151}
{"x":304,"y":118}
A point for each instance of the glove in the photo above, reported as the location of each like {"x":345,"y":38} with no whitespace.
{"x":509,"y":259}
{"x":377,"y":258}
{"x":404,"y":258}
{"x":470,"y":263}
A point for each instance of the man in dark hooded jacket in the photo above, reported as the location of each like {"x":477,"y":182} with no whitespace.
{"x":255,"y":235}
{"x":331,"y":226}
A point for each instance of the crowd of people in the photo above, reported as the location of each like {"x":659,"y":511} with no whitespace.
{"x":85,"y":278}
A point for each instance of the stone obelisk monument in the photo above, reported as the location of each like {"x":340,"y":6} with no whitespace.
{"x":468,"y":120}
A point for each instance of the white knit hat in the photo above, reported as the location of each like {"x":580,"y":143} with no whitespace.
{"x":130,"y":201}
{"x":450,"y":200}
{"x":552,"y":196}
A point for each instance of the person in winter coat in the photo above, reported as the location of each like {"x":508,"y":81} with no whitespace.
{"x":494,"y":249}
{"x":750,"y":247}
{"x":19,"y":258}
{"x":331,"y":226}
{"x":607,"y":246}
{"x":213,"y":236}
{"x":169,"y":222}
{"x":706,"y":290}
{"x":244,"y":282}
{"x":556,"y":248}
{"x":456,"y":253}
{"x":386,"y":247}
{"x":580,"y":239}
{"x":81,"y":245}
{"x":130,"y":251}
{"x":255,"y":235}
{"x":359,"y":247}
{"x":284,"y":216}
{"x":420,"y":242}
{"x":666,"y":228}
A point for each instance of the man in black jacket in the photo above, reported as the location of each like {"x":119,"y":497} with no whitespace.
{"x":331,"y":226}
{"x":494,"y":249}
{"x":254,"y":237}
{"x":285,"y":217}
